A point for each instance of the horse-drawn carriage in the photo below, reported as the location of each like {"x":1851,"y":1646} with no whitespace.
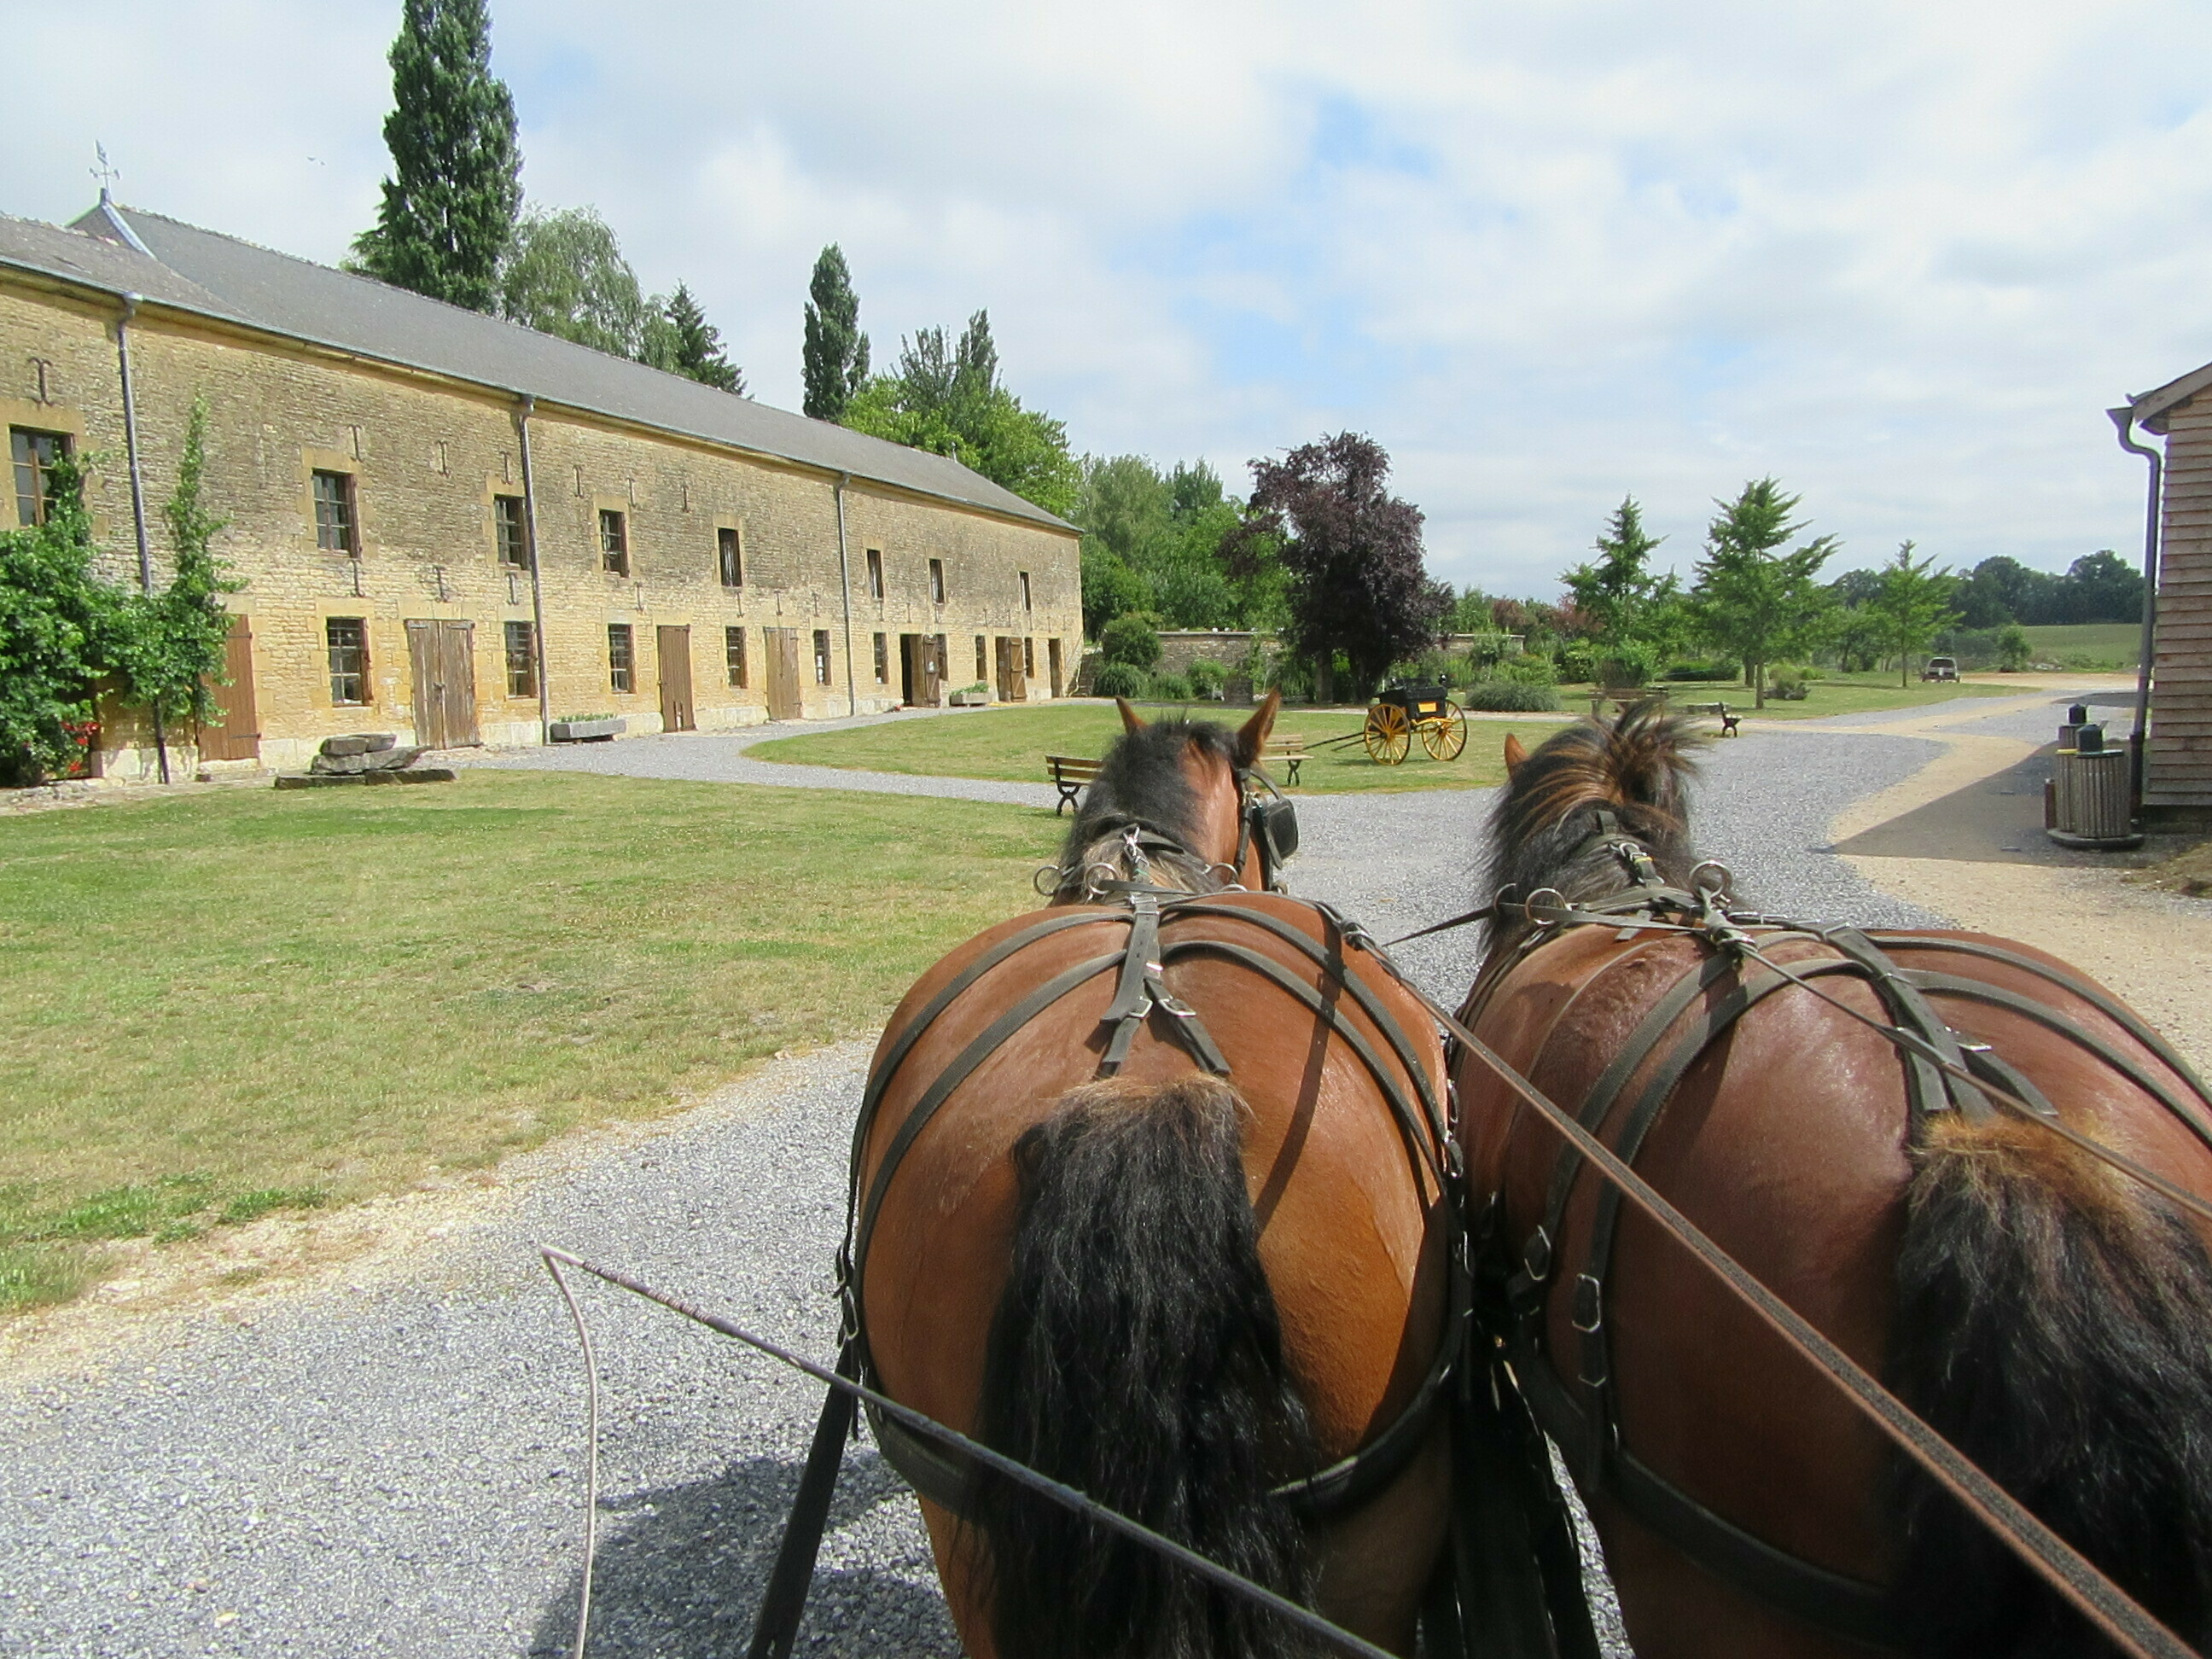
{"x":1112,"y":1215}
{"x":1402,"y":713}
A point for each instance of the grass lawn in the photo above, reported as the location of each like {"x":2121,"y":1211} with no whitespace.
{"x":2116,"y":645}
{"x":221,"y":1005}
{"x":1012,"y":744}
{"x":1837,"y":693}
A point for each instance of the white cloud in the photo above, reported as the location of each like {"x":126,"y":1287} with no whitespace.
{"x":1902,"y":256}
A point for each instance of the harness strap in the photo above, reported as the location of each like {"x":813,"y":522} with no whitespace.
{"x":776,"y":1626}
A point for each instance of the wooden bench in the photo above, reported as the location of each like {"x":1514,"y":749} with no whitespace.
{"x":1069,"y":775}
{"x":1729,"y":722}
{"x":1291,"y":750}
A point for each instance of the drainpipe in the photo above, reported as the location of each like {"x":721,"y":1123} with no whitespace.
{"x":524,"y":407}
{"x":845,"y":582}
{"x":2122,"y":418}
{"x":130,"y":302}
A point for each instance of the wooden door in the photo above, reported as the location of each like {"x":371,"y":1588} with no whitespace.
{"x":785,"y":700}
{"x":1052,"y":662}
{"x":238,"y":737}
{"x":1011,"y":686}
{"x":442,"y":655}
{"x":933,"y":670}
{"x":675,"y":655}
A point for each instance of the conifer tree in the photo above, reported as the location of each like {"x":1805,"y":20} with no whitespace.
{"x":836,"y":352}
{"x":449,"y":207}
{"x":695,"y":345}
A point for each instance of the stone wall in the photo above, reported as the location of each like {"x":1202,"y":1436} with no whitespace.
{"x":426,"y":457}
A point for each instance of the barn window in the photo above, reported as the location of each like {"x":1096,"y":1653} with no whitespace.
{"x":36,"y":455}
{"x":936,"y":582}
{"x":1026,"y":590}
{"x":883,"y":659}
{"x":521,"y":660}
{"x":513,"y":534}
{"x":875,"y":573}
{"x":733,"y":653}
{"x":621,"y":671}
{"x":733,"y":566}
{"x":347,"y":638}
{"x":822,"y":656}
{"x":336,"y":520}
{"x":614,"y":541}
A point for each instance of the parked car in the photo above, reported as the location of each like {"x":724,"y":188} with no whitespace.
{"x":1941,"y":668}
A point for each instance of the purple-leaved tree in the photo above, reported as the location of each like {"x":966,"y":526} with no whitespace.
{"x":1357,"y":583}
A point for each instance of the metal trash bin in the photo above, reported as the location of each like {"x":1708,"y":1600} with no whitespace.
{"x":2088,"y":803}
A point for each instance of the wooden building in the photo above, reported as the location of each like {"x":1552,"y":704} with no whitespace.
{"x":461,"y":530}
{"x":2178,"y":758}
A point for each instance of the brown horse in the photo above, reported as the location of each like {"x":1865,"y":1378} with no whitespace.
{"x":1189,"y":1286}
{"x":2048,"y":1314}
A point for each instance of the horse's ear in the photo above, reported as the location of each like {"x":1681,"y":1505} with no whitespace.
{"x":1252,"y":736}
{"x":1515,"y":754}
{"x":1131,"y":719}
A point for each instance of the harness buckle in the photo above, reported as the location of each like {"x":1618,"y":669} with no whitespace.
{"x":1536,"y":1256}
{"x":1587,"y":1312}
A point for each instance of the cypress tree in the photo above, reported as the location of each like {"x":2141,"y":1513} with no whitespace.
{"x":449,"y":208}
{"x":837,"y":353}
{"x":695,"y":344}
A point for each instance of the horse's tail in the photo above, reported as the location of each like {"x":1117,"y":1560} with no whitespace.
{"x":2054,"y":1323}
{"x":1136,"y":1354}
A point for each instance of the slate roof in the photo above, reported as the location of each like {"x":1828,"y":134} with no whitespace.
{"x":200,"y":271}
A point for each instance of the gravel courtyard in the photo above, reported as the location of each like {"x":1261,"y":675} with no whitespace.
{"x":389,"y":1461}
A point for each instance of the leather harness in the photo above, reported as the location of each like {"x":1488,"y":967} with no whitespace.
{"x":1142,"y":991}
{"x":1581,"y":1416}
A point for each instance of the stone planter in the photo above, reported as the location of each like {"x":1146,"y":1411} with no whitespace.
{"x":969,"y":699}
{"x":603,"y":731}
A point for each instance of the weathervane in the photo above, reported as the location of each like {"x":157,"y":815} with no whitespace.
{"x":105,"y":173}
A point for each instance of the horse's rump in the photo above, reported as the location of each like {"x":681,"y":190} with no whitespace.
{"x":1346,"y":1207}
{"x":1789,"y":1139}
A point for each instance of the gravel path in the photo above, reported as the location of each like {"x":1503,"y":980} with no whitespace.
{"x":388,"y":1462}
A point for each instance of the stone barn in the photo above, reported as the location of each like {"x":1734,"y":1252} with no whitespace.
{"x":460,"y":529}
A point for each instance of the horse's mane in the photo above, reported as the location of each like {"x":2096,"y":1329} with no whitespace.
{"x":1140,"y":781}
{"x":1541,"y":829}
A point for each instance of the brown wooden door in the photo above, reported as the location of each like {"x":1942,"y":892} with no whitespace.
{"x":1052,"y":662}
{"x":442,"y":654}
{"x":1011,"y":687}
{"x":785,"y":700}
{"x":921,"y":670}
{"x":238,"y":737}
{"x":676,"y":680}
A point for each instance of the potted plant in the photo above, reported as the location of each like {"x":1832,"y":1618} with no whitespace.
{"x":977,"y":695}
{"x":588,"y":728}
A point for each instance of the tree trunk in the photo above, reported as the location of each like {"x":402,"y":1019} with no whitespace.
{"x":1758,"y":686}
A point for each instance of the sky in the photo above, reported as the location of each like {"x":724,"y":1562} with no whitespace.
{"x":1900,"y":256}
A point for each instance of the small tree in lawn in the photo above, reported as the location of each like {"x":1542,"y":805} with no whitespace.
{"x":449,"y":207}
{"x":836,"y":352}
{"x":172,"y":652}
{"x":1752,"y":600}
{"x":1352,"y":554}
{"x":1912,"y":607}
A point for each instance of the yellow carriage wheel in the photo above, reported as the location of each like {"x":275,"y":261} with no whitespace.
{"x":1388,"y":733}
{"x":1445,"y":736}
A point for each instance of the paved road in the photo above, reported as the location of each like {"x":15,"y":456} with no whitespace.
{"x":389,"y":1464}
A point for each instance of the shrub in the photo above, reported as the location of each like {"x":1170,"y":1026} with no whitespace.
{"x":2014,"y":651}
{"x":1625,"y":666}
{"x":1719,"y":670}
{"x":1527,"y":669}
{"x":1578,"y":664}
{"x":1291,"y":677}
{"x":1119,"y":679}
{"x":1132,"y":640}
{"x":1170,"y":688}
{"x":1207,"y":678}
{"x":1788,"y":681}
{"x":1511,"y":696}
